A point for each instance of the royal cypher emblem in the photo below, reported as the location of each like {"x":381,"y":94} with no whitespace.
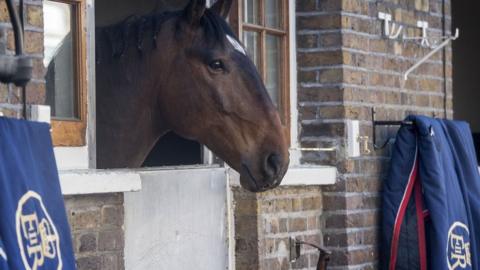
{"x":458,"y":247}
{"x":37,"y":236}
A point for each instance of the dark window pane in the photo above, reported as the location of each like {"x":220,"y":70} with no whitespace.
{"x":59,"y":59}
{"x":273,"y":13}
{"x":251,"y":42}
{"x":250,"y":11}
{"x":273,"y":65}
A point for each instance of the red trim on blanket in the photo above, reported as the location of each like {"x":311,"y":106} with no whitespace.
{"x":422,"y":246}
{"x":401,"y":213}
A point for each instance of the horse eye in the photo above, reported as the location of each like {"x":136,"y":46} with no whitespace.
{"x":216,"y":65}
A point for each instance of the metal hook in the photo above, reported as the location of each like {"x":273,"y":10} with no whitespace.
{"x":376,"y":123}
{"x":399,"y":31}
{"x":391,"y":30}
{"x":295,"y":252}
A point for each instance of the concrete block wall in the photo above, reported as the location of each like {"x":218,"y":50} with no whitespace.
{"x":96,"y":223}
{"x":346,"y":67}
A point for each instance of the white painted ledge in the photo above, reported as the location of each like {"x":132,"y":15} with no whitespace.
{"x":76,"y":182}
{"x":310,"y":175}
{"x":71,"y":158}
{"x":90,"y":181}
{"x":299,"y":176}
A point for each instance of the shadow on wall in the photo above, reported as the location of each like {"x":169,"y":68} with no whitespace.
{"x":466,"y":56}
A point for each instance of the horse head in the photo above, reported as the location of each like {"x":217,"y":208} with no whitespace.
{"x":215,"y":95}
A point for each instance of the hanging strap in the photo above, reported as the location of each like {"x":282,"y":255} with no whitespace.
{"x":422,"y":246}
{"x":413,"y":184}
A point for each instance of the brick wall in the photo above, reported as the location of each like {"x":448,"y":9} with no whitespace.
{"x":96,"y":222}
{"x":346,"y":67}
{"x":264,"y":222}
{"x":10,"y":96}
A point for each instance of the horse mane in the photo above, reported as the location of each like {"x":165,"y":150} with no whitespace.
{"x":132,"y":31}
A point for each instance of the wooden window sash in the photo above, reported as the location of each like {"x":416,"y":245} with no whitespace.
{"x":238,"y":25}
{"x":72,"y":132}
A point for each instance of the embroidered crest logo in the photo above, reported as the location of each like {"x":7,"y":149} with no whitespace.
{"x":37,"y":236}
{"x":458,"y":247}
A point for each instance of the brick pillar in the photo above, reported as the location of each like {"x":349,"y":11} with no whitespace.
{"x":264,"y":223}
{"x":10,"y":96}
{"x":346,"y":67}
{"x":96,"y":223}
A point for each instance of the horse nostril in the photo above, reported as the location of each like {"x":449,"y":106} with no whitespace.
{"x":273,"y":164}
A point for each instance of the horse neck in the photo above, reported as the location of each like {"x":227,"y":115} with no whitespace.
{"x":128,"y":119}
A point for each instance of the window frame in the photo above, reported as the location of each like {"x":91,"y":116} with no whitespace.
{"x":72,"y":132}
{"x":238,"y":25}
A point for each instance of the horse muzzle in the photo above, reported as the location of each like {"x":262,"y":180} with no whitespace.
{"x":267,"y":176}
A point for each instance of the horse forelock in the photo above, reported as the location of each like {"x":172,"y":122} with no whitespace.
{"x":134,"y":28}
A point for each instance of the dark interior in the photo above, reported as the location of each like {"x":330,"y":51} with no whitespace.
{"x":171,"y":149}
{"x":466,"y":56}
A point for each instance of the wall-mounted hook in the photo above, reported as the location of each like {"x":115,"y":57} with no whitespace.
{"x":398,"y":32}
{"x":390,"y":29}
{"x":386,"y":22}
{"x":295,"y":252}
{"x":425,"y":41}
{"x":376,"y":123}
{"x":424,"y":26}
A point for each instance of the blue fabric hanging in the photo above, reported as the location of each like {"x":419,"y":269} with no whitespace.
{"x":33,"y":223}
{"x":431,"y":198}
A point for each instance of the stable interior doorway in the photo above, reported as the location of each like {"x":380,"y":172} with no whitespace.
{"x":466,"y":56}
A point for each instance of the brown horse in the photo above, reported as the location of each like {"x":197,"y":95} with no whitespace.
{"x":186,"y":72}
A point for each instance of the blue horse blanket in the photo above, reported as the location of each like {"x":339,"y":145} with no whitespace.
{"x":34,"y":232}
{"x":431,"y":198}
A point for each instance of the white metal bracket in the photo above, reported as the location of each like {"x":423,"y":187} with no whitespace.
{"x":390,"y":29}
{"x":432,"y":52}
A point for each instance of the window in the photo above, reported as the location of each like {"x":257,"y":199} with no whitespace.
{"x":262,"y":25}
{"x":64,"y":61}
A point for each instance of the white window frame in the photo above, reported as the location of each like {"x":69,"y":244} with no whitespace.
{"x":84,"y":158}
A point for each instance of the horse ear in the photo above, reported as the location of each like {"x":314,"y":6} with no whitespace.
{"x":194,"y":10}
{"x":222,"y":8}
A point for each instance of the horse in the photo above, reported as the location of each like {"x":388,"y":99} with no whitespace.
{"x":185,"y":71}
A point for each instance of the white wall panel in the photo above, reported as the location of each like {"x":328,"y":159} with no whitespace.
{"x":177,"y":221}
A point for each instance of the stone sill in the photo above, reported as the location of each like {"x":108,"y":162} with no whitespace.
{"x":300,"y":176}
{"x":77,"y":182}
{"x":310,"y":175}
